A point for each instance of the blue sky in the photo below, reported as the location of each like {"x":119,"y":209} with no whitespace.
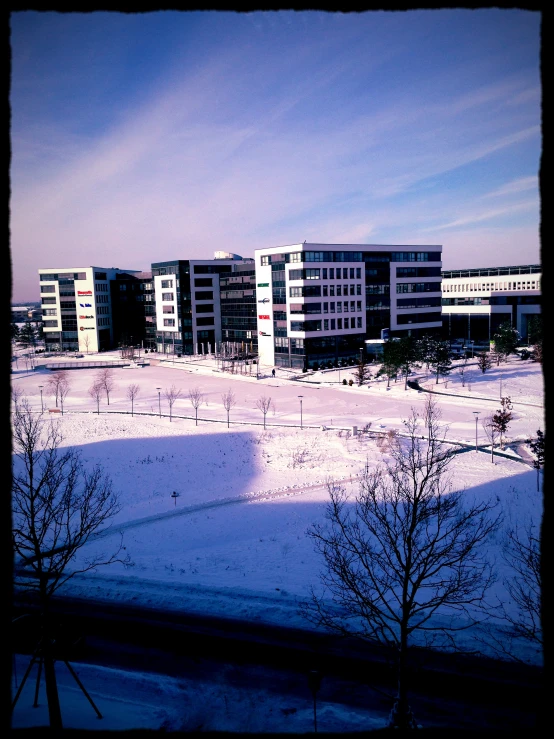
{"x":144,"y":137}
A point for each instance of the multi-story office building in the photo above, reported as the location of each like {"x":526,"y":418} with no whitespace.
{"x":188,"y":303}
{"x":77,"y":307}
{"x":476,"y":301}
{"x":134,"y":309}
{"x":320,"y":302}
{"x":239,"y":317}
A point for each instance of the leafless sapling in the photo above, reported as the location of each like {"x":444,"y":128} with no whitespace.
{"x":133,"y":391}
{"x":63,"y":391}
{"x":54,"y":382}
{"x":229,"y":401}
{"x":263,"y":404}
{"x":491,"y":432}
{"x":95,"y":392}
{"x":404,"y":548}
{"x":106,"y":381}
{"x":196,"y":397}
{"x":172,"y":394}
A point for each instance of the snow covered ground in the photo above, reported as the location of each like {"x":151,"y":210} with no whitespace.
{"x":233,"y":541}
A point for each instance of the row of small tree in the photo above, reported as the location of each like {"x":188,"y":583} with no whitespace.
{"x":104,"y":383}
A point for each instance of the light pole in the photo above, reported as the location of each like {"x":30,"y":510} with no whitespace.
{"x":159,"y":402}
{"x":472,"y":343}
{"x":41,"y":403}
{"x":300,"y":397}
{"x":476,"y":414}
{"x":500,"y":387}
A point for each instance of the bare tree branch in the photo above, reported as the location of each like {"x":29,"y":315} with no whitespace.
{"x":405,"y":547}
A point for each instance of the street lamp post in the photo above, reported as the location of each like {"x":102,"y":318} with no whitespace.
{"x":41,"y":403}
{"x":159,"y":402}
{"x":476,"y":414}
{"x":300,"y":397}
{"x":472,"y":343}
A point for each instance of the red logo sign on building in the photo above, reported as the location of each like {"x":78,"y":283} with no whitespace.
{"x":264,"y":317}
{"x":84,"y":292}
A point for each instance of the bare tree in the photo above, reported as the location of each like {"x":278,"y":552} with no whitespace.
{"x":196,"y":397}
{"x":229,"y":401}
{"x":63,"y":391}
{"x":462,"y":367}
{"x":521,"y":552}
{"x":17,"y":394}
{"x":172,"y":394}
{"x":58,"y":505}
{"x":86,"y":343}
{"x":54,"y":382}
{"x":431,"y":413}
{"x":263,"y":404}
{"x":132,"y":393}
{"x":95,"y":392}
{"x":406,"y":547}
{"x":106,"y":381}
{"x":491,"y":432}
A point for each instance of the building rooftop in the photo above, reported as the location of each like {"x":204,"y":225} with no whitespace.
{"x":522,"y":269}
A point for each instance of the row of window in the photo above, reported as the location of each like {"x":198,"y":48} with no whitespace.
{"x":331,"y":324}
{"x":312,"y":256}
{"x":316,"y":291}
{"x":101,"y":287}
{"x":307,"y":308}
{"x":63,"y":276}
{"x":418,"y":287}
{"x":102,"y":299}
{"x":507,"y":285}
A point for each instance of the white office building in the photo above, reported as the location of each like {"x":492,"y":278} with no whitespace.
{"x":77,"y":307}
{"x":319,"y":303}
{"x":476,"y":301}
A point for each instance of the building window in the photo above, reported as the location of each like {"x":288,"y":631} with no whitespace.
{"x":47,"y":288}
{"x":169,"y":322}
{"x":50,"y":311}
{"x":325,"y":290}
{"x":265,"y":261}
{"x":205,"y":308}
{"x":346,"y":323}
{"x":205,"y":321}
{"x":359,"y":321}
{"x":339,"y":291}
{"x":339,"y":323}
{"x":331,"y":273}
{"x":358,"y":273}
{"x":326,"y":307}
{"x":312,"y":274}
{"x":332,"y":307}
{"x":339,"y":306}
{"x":168,"y":309}
{"x":50,"y":324}
{"x":331,"y":291}
{"x":168,"y":296}
{"x":167,"y":283}
{"x":352,"y":289}
{"x":332,"y":324}
{"x":50,"y":301}
{"x":204,"y":295}
{"x":326,"y":324}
